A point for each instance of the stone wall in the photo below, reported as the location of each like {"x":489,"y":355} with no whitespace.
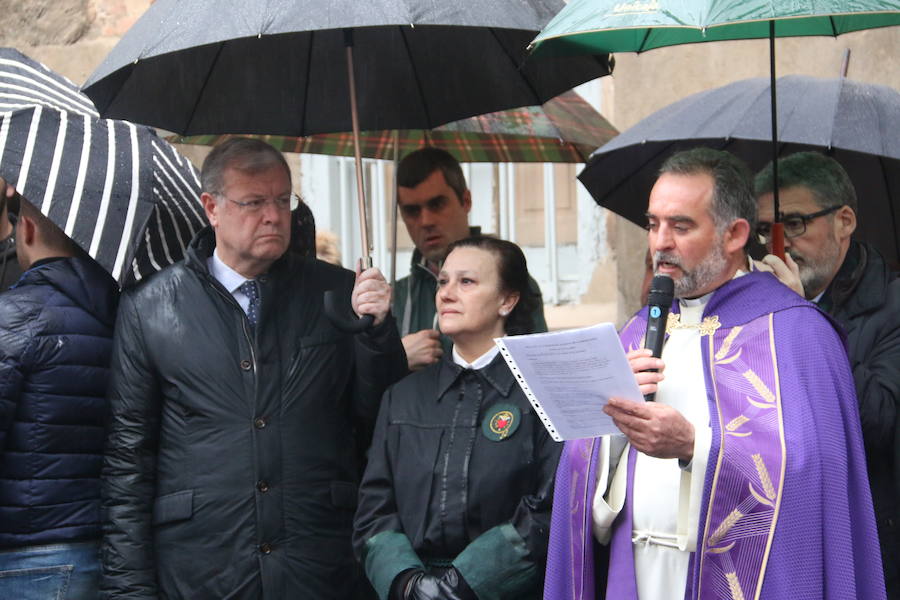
{"x":70,"y":36}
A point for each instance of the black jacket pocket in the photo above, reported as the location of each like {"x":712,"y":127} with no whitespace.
{"x":176,"y":506}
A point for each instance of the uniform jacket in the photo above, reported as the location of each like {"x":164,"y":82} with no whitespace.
{"x":865,"y":299}
{"x":56,"y":328}
{"x":460,"y":472}
{"x":233,"y":457}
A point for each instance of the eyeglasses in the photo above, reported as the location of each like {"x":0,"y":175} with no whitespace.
{"x":256,"y":205}
{"x":794,"y":225}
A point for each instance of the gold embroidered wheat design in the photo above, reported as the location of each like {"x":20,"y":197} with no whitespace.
{"x":764,"y":476}
{"x":736,"y":422}
{"x":759,"y":386}
{"x":725,"y":526}
{"x":736,"y":592}
{"x":726,"y":343}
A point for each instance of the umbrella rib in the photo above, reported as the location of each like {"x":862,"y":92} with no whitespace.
{"x":518,"y":67}
{"x":644,"y":41}
{"x":202,"y":89}
{"x":412,"y":65}
{"x":884,"y":171}
{"x":309,"y":50}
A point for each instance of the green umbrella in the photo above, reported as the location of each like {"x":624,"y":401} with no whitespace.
{"x":594,"y":26}
{"x":591,"y":26}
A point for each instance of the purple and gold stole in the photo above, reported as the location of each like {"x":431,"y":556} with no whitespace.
{"x":745,"y":473}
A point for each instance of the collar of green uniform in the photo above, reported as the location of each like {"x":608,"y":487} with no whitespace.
{"x":497,"y":374}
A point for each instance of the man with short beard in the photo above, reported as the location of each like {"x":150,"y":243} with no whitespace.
{"x":745,"y":479}
{"x":850,"y":281}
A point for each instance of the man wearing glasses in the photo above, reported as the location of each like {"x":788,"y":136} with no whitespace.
{"x":850,"y":281}
{"x":238,"y":409}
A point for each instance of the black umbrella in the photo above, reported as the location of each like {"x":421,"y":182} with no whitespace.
{"x":123,"y":194}
{"x":280,"y":67}
{"x":294,"y":67}
{"x":855,"y":123}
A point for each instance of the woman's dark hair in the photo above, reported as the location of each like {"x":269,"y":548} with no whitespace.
{"x":513,"y":274}
{"x":303,"y":230}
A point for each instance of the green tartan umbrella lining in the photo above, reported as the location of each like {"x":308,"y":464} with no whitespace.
{"x":566,"y":130}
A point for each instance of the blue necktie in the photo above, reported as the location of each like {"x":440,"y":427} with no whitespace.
{"x":250,"y":289}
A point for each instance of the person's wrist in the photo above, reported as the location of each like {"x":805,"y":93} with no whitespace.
{"x":687,"y":450}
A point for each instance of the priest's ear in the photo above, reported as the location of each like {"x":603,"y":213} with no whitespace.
{"x":735,"y":237}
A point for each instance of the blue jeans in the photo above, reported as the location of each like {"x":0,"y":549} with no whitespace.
{"x":51,"y":572}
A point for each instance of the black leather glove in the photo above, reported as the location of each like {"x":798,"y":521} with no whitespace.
{"x":453,"y":581}
{"x":419,"y":585}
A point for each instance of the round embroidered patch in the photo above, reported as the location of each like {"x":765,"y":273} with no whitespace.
{"x":501,"y":421}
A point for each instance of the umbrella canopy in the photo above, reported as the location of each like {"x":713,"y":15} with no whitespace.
{"x":594,"y":26}
{"x":853,"y":122}
{"x":120,"y":192}
{"x":279,"y":67}
{"x":589,"y":25}
{"x":566,"y":130}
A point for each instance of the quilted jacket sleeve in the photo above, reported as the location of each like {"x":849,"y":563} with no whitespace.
{"x":129,"y":468}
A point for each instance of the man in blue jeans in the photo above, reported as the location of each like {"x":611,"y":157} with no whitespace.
{"x":56,"y":327}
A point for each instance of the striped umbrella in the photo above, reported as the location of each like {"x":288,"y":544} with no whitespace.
{"x":123,"y":194}
{"x":565,"y":129}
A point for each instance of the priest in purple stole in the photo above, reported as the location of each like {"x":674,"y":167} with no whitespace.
{"x":747,"y":478}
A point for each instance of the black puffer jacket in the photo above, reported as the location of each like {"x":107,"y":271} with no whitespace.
{"x":233,"y":459}
{"x":56,"y":329}
{"x":865,"y":299}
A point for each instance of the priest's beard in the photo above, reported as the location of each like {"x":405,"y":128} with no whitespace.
{"x":816,"y":271}
{"x":701,"y":276}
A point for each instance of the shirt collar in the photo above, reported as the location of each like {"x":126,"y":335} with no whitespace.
{"x":496,"y":373}
{"x":230,"y":279}
{"x":480,"y":362}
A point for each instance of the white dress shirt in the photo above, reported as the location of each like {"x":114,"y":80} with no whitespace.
{"x":230,"y":279}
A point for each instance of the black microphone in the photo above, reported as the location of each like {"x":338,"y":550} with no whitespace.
{"x":662,"y":290}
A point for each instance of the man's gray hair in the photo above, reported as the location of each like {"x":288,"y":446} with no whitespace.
{"x":732,"y":192}
{"x":822,"y":175}
{"x":244,"y":154}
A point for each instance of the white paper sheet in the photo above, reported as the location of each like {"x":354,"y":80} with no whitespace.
{"x":570,"y":375}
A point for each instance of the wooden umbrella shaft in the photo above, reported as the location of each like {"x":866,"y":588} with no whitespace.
{"x":360,"y":188}
{"x":777,"y":226}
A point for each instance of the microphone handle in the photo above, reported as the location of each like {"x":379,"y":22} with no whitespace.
{"x":656,"y":336}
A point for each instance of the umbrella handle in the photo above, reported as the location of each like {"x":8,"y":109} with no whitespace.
{"x":778,"y":239}
{"x":340,"y":320}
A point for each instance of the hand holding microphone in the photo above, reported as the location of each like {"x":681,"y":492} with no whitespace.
{"x":662,"y":291}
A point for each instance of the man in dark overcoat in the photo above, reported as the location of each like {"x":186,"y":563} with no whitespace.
{"x":238,"y":408}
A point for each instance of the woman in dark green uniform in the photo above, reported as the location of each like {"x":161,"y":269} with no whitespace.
{"x":455,"y":501}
